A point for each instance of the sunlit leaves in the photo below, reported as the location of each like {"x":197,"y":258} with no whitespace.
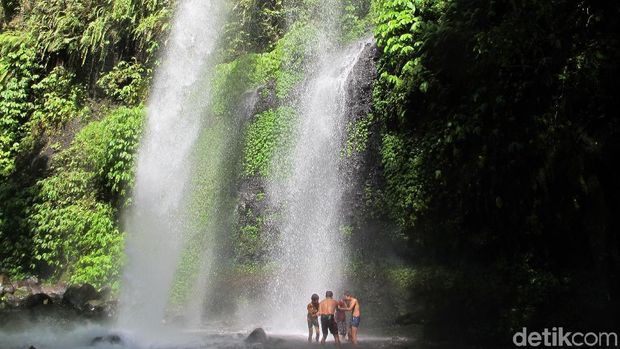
{"x":74,"y":218}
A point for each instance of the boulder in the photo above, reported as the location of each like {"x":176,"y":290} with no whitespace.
{"x":105,"y":293}
{"x":77,"y":296}
{"x":22,"y":292}
{"x":12,"y":301}
{"x":257,"y":336}
{"x":108,"y":339}
{"x":37,"y":300}
{"x":56,"y":298}
{"x":7,"y":289}
{"x":29,"y":282}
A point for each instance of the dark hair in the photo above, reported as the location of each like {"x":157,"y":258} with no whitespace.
{"x":329,"y":294}
{"x":315,"y":297}
{"x":347,"y":293}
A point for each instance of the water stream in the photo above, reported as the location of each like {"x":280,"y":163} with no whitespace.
{"x":178,"y":161}
{"x":311,"y":253}
{"x":155,"y":224}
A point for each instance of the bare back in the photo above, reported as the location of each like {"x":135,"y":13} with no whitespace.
{"x":355,"y":307}
{"x":328,"y":306}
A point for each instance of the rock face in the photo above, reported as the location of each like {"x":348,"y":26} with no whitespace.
{"x":257,"y":336}
{"x":37,"y":300}
{"x":78,"y":296}
{"x":26,"y":301}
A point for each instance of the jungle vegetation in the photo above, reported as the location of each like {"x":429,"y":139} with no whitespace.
{"x":489,"y":197}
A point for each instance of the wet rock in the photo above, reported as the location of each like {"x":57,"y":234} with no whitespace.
{"x":107,"y":339}
{"x":7,"y":289}
{"x":12,"y":301}
{"x":99,"y":309}
{"x":37,"y":300}
{"x":56,"y":298}
{"x":22,"y":292}
{"x":105,"y":293}
{"x":257,"y":336}
{"x":77,"y":296}
{"x":30,"y":282}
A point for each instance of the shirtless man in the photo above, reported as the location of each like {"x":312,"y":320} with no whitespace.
{"x":327,"y":308}
{"x":354,"y":308}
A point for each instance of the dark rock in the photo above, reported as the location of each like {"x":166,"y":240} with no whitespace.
{"x":99,"y":309}
{"x":12,"y":301}
{"x":29,"y":282}
{"x":77,"y":296}
{"x":108,"y":339}
{"x":36,"y":300}
{"x":257,"y":336}
{"x":7,"y":289}
{"x":56,"y":298}
{"x":19,"y":295}
{"x":105,"y":293}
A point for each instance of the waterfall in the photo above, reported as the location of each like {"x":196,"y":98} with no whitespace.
{"x":155,"y":223}
{"x":311,"y":253}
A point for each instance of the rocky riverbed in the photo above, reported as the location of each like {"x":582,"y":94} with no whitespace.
{"x":27,"y":302}
{"x":40,"y":316}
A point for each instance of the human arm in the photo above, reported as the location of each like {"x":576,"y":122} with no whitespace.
{"x":350,"y":307}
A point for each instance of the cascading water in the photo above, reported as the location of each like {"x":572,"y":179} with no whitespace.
{"x":155,"y":223}
{"x":311,"y":254}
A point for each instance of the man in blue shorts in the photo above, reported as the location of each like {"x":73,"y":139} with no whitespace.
{"x":356,"y":313}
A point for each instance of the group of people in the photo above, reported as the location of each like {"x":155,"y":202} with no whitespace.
{"x":333,"y":317}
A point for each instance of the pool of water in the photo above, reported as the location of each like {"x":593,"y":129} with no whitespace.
{"x":104,"y":337}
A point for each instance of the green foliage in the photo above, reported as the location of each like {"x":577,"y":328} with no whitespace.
{"x":75,"y":230}
{"x":268,"y":136}
{"x":94,"y":31}
{"x":59,"y":99}
{"x":284,"y":65}
{"x":357,"y":135}
{"x":355,"y":21}
{"x":126,"y":82}
{"x":479,"y":105}
{"x":401,"y":29}
{"x":254,"y":27}
{"x":19,"y":70}
{"x":230,"y":81}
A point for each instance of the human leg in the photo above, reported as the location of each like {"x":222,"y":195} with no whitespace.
{"x":334,"y":330}
{"x":325,"y":323}
{"x":355,"y":324}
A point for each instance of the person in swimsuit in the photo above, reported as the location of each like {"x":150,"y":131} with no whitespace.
{"x":327,"y":308}
{"x":354,"y":308}
{"x":341,"y":319}
{"x":313,"y":317}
